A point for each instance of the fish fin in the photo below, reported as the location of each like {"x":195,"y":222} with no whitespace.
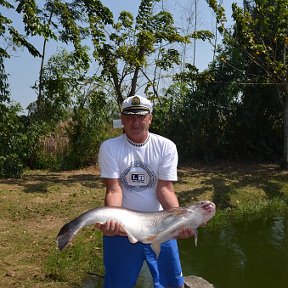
{"x":149,"y":239}
{"x":195,"y":237}
{"x":65,"y":235}
{"x":156,"y":247}
{"x":177,"y":211}
{"x":131,"y":238}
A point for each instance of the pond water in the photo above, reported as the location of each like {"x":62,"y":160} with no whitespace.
{"x":250,"y":254}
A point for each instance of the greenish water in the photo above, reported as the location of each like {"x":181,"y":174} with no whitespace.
{"x":250,"y":254}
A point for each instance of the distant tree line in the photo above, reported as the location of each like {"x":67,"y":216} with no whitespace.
{"x":237,"y":108}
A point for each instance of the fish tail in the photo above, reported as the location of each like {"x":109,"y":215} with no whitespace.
{"x":66,"y":234}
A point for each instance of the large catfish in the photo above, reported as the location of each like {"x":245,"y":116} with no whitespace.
{"x":146,"y":227}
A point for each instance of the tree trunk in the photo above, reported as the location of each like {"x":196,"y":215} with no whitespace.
{"x":40,"y":86}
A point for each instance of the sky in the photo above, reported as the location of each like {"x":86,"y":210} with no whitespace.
{"x":23,"y":68}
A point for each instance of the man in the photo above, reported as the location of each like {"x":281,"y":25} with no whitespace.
{"x":138,"y":169}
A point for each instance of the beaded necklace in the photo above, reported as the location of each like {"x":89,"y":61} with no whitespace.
{"x":138,"y":144}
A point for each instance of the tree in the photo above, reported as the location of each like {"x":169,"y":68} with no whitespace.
{"x":73,"y":106}
{"x":32,"y":22}
{"x":4,"y":86}
{"x":14,"y":145}
{"x":124,"y":49}
{"x":125,"y":53}
{"x":130,"y":53}
{"x":261,"y":33}
{"x":64,"y":82}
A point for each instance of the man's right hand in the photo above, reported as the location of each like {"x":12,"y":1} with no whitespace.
{"x":111,"y":228}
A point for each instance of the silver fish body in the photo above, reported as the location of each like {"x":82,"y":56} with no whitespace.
{"x":147,"y":227}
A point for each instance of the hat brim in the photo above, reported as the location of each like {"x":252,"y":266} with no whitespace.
{"x":135,"y":112}
{"x":138,"y":110}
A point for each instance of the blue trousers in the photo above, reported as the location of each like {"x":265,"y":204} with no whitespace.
{"x":123,"y":262}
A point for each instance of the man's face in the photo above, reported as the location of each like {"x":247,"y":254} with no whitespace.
{"x":136,"y":126}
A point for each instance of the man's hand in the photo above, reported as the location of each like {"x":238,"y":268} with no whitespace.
{"x":111,"y":228}
{"x":186,"y":233}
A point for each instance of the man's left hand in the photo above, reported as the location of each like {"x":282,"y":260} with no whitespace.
{"x":186,"y":233}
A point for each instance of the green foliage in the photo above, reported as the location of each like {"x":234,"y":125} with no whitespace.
{"x":44,"y":160}
{"x":196,"y":129}
{"x":210,"y":113}
{"x":163,"y":118}
{"x":121,"y":54}
{"x":124,"y":53}
{"x":259,"y":120}
{"x":62,"y":79}
{"x":262,"y":29}
{"x":88,"y":131}
{"x":207,"y":114}
{"x":13,"y":142}
{"x":84,"y":113}
{"x":4,"y":86}
{"x":220,"y":13}
{"x":33,"y":24}
{"x":11,"y":166}
{"x":19,"y":141}
{"x":260,"y":34}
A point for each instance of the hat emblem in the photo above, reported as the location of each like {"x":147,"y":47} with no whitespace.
{"x":135,"y":101}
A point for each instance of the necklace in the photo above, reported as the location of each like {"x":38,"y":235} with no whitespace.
{"x":138,"y":144}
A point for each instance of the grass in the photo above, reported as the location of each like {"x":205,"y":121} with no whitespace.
{"x":33,"y":209}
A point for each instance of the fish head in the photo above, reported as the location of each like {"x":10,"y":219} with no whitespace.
{"x":202,"y":212}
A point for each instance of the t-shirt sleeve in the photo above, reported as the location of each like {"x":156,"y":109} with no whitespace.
{"x":107,"y":162}
{"x":169,"y":162}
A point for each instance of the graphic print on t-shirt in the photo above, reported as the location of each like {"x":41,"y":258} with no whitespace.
{"x":138,"y":177}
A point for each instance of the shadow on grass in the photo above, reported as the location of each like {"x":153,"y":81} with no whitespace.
{"x":186,"y":197}
{"x":222,"y":192}
{"x":41,"y":183}
{"x":224,"y":181}
{"x":271,"y":189}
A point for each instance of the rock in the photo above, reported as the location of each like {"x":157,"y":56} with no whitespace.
{"x":191,"y":281}
{"x":196,"y":282}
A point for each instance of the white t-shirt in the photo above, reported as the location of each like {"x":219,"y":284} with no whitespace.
{"x":139,"y":167}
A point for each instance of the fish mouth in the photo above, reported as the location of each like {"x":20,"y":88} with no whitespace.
{"x":209,"y":211}
{"x":209,"y":206}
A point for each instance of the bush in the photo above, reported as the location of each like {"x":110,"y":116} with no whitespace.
{"x":14,"y":142}
{"x":11,"y":166}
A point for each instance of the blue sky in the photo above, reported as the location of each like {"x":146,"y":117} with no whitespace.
{"x":23,"y":69}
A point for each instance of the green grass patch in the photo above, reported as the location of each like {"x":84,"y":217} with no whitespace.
{"x":250,"y":211}
{"x":34,"y":208}
{"x":75,"y":261}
